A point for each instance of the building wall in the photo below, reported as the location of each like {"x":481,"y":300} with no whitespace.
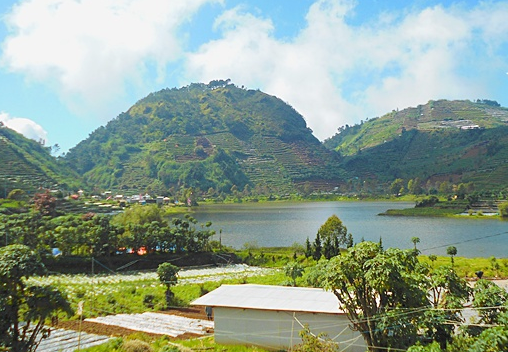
{"x":277,"y":330}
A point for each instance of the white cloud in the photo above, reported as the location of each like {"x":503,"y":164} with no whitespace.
{"x":336,"y":73}
{"x":26,"y":127}
{"x":90,"y":49}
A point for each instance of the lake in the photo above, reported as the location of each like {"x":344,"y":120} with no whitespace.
{"x":282,"y":224}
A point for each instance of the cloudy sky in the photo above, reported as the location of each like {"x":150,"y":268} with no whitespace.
{"x":69,"y":66}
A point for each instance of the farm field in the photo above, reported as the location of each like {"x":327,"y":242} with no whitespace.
{"x":102,"y":292}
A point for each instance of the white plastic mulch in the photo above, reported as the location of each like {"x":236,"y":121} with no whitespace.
{"x":61,"y":340}
{"x":156,"y":323}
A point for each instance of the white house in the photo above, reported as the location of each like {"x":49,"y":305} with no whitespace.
{"x":272,"y":317}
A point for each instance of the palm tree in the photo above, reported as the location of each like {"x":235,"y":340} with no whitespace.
{"x":451,"y":251}
{"x":415,"y":240}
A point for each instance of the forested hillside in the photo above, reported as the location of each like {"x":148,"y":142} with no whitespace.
{"x":441,"y":141}
{"x":28,"y":165}
{"x":215,"y":138}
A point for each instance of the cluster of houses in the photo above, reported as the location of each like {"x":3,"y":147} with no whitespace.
{"x":134,"y":199}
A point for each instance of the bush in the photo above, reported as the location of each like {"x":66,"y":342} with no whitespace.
{"x":148,"y":300}
{"x":136,"y":346}
{"x":169,"y":348}
{"x":503,"y":209}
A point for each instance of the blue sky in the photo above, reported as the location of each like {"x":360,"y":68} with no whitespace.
{"x":69,"y":66}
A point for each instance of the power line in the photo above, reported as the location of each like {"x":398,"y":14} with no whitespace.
{"x":465,"y":241}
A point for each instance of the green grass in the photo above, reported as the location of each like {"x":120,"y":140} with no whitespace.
{"x":164,"y":345}
{"x":209,"y":344}
{"x":126,"y":293}
{"x":467,"y":267}
{"x":423,"y":212}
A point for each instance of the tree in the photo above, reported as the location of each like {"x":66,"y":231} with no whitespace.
{"x":167,"y":273}
{"x":503,"y":209}
{"x":316,"y":254}
{"x":447,"y":295}
{"x":415,"y":241}
{"x":308,"y":248}
{"x":16,"y":194}
{"x":374,"y":287}
{"x":21,"y":303}
{"x":45,"y":203}
{"x":397,"y":186}
{"x":452,"y":252}
{"x":334,"y":235}
{"x":432,"y":258}
{"x":414,"y":187}
{"x":293,"y":270}
{"x":492,"y":297}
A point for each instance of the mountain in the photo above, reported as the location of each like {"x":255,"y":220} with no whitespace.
{"x":453,"y":141}
{"x":28,"y":165}
{"x":216,"y":138}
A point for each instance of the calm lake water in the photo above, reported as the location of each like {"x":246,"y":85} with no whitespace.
{"x":282,"y":224}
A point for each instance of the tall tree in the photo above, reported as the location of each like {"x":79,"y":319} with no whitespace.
{"x":452,"y":252}
{"x":21,"y":303}
{"x":374,"y":287}
{"x":316,"y":254}
{"x":334,"y":234}
{"x":168,"y":275}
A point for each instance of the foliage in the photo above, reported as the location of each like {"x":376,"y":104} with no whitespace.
{"x":21,"y":303}
{"x":140,"y":227}
{"x":293,"y":270}
{"x":452,"y":252}
{"x":209,"y":344}
{"x":503,"y":209}
{"x":168,"y":275}
{"x":45,"y":203}
{"x":374,"y":287}
{"x":437,"y":141}
{"x":312,"y":343}
{"x":490,"y":296}
{"x":334,"y":236}
{"x":447,"y":295}
{"x":16,"y":194}
{"x":28,"y":166}
{"x":315,"y":275}
{"x":136,"y":346}
{"x":208,"y":138}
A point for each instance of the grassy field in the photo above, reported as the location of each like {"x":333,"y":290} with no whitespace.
{"x":141,"y":291}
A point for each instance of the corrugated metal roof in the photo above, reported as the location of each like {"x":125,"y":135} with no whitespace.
{"x":265,"y":297}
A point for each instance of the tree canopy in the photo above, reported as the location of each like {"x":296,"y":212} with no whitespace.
{"x":28,"y":304}
{"x":385,"y":294}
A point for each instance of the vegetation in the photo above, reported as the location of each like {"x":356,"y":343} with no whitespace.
{"x":23,"y":308}
{"x":216,"y":138}
{"x":28,"y":165}
{"x":141,"y":229}
{"x":168,"y":276}
{"x":441,"y":142}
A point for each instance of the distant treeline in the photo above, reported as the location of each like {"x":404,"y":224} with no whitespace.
{"x":140,"y":229}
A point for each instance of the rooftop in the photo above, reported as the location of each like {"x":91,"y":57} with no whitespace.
{"x":265,"y":297}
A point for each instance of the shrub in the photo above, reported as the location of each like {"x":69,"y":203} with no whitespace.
{"x":136,"y":346}
{"x":148,"y":300}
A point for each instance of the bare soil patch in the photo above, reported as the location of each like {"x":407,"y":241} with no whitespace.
{"x":116,"y":331}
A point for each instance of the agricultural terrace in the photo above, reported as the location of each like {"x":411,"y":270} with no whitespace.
{"x":139,"y":292}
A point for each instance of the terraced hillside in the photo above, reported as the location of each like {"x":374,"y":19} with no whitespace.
{"x":216,"y":138}
{"x":27,"y":165}
{"x":455,"y":141}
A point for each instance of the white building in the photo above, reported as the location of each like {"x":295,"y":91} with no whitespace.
{"x":272,"y":317}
